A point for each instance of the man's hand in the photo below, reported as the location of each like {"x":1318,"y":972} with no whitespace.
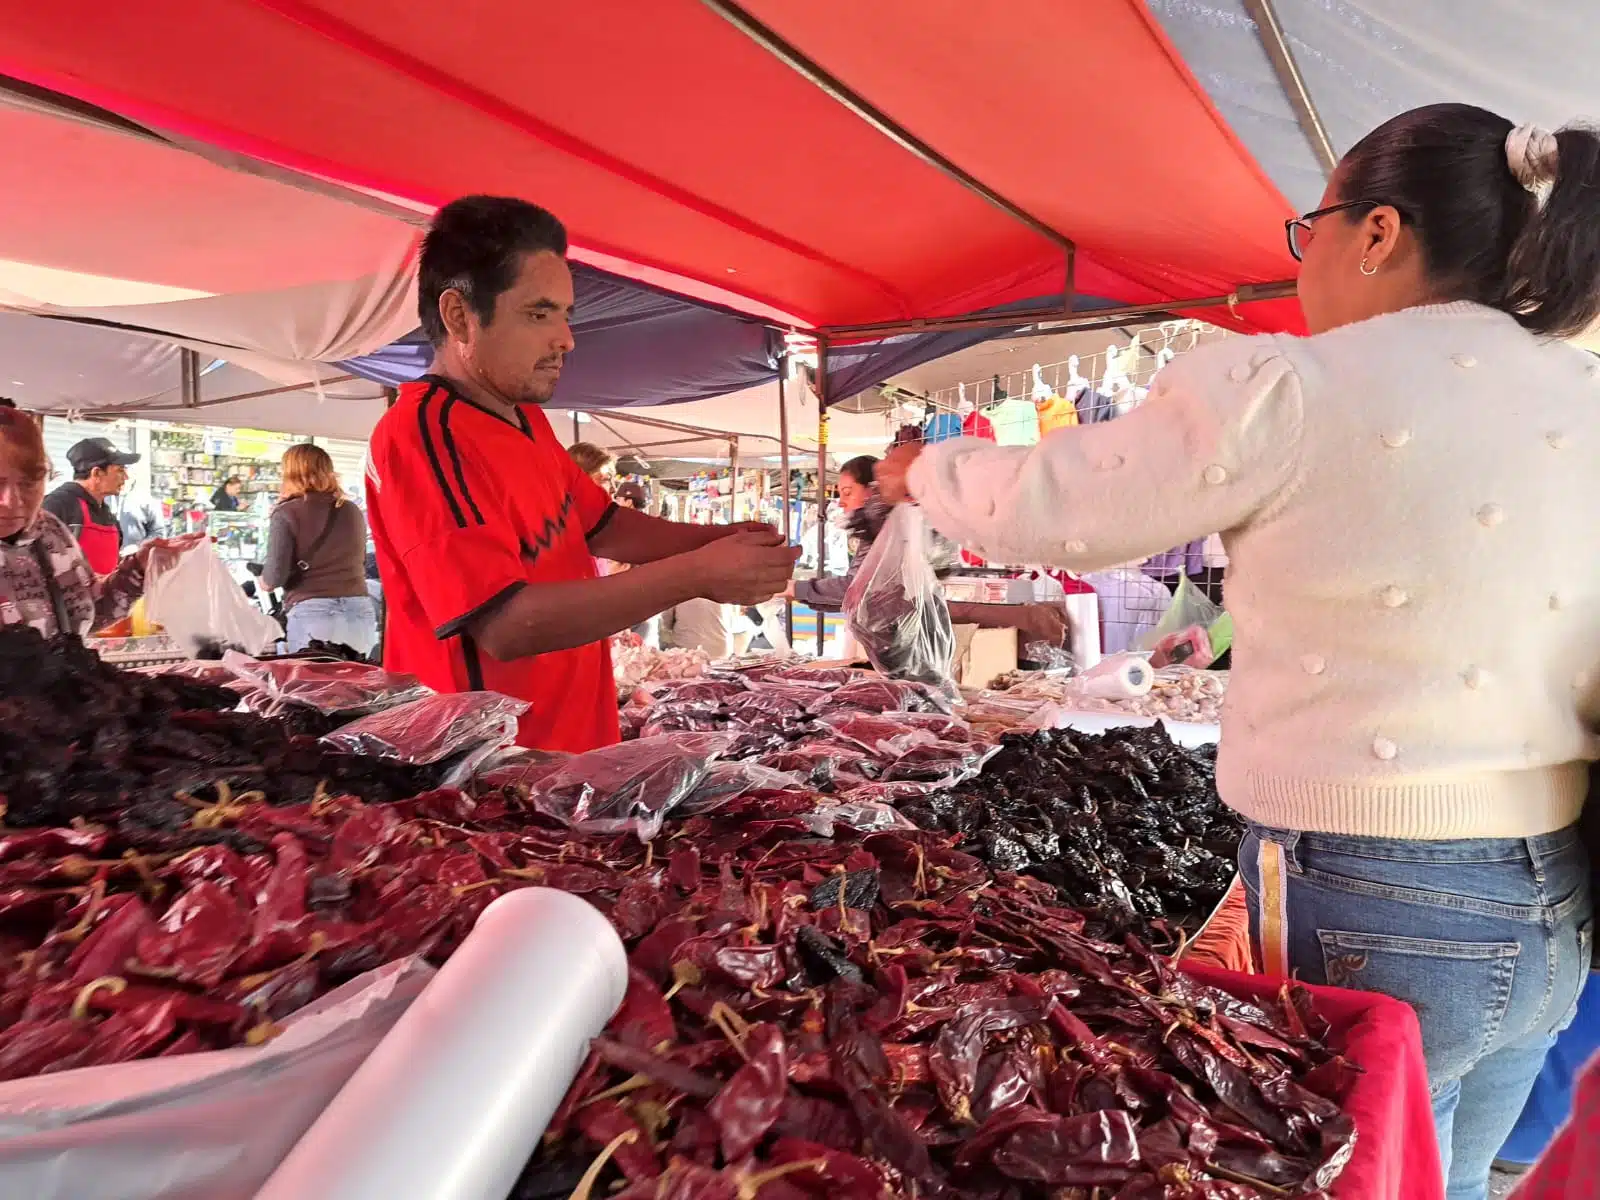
{"x":761,"y":527}
{"x":745,"y":568}
{"x":1045,"y":623}
{"x":890,"y":473}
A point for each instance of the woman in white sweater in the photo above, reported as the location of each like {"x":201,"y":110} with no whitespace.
{"x":1410,"y":500}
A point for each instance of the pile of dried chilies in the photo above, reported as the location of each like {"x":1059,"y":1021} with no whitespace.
{"x":885,"y":1017}
{"x":1127,"y":824}
{"x":867,"y":1015}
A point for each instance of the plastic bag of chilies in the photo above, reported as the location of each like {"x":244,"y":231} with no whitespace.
{"x":896,"y":609}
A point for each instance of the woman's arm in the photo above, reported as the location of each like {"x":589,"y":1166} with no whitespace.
{"x":279,"y":563}
{"x":114,"y":594}
{"x":1213,"y":446}
{"x":825,"y":594}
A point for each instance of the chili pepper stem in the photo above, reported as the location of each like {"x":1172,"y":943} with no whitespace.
{"x":751,"y":1185}
{"x":684,"y":974}
{"x":592,"y":1175}
{"x":1270,"y":1189}
{"x":632,"y":1084}
{"x":734,"y":1027}
{"x":97,"y":896}
{"x":260,"y":1034}
{"x":315,"y":944}
{"x":115,"y":984}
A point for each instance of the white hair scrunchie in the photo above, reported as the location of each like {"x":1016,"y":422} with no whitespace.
{"x":1534,"y":158}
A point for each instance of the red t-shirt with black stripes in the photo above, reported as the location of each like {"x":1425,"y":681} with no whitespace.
{"x":466,"y":507}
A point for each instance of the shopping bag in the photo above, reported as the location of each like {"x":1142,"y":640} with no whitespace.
{"x":199,"y":604}
{"x":896,"y":608}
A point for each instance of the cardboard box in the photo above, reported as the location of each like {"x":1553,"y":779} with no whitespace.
{"x":983,"y":654}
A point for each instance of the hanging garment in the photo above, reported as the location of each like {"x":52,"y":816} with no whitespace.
{"x":1055,"y":412}
{"x":1184,"y":560}
{"x":941,"y":427}
{"x":976,"y":425}
{"x":1095,"y":407}
{"x":1015,"y":421}
{"x":908,"y":435}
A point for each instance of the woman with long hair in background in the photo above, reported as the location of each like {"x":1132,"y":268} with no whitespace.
{"x":316,"y":552}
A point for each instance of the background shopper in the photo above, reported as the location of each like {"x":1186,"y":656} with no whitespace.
{"x":316,"y":552}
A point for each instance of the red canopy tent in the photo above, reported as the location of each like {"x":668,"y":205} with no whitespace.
{"x":722,"y":150}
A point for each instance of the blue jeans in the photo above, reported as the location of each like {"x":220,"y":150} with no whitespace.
{"x":1550,"y":1102}
{"x":347,"y":621}
{"x":1487,"y":939}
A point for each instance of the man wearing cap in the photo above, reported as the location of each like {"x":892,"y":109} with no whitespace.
{"x":99,"y":471}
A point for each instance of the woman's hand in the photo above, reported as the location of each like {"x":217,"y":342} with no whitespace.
{"x":890,"y":473}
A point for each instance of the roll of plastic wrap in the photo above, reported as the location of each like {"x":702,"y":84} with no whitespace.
{"x":1120,"y":677}
{"x":454,"y":1100}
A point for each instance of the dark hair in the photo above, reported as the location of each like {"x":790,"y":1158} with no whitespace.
{"x":864,"y":470}
{"x":1483,"y":235}
{"x":475,"y":246}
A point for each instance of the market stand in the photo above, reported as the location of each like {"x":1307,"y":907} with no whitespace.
{"x":418,"y":869}
{"x":841,"y":290}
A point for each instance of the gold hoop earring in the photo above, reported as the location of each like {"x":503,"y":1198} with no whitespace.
{"x":1364,"y":269}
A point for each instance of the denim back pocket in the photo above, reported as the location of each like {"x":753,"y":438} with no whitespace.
{"x":1460,"y":990}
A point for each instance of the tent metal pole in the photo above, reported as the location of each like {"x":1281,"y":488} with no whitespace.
{"x":188,"y":378}
{"x":1050,"y":320}
{"x":1276,"y":43}
{"x":783,"y":466}
{"x":838,"y":90}
{"x":822,"y":480}
{"x":733,"y":479}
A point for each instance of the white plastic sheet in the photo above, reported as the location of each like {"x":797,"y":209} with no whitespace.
{"x":197,"y":601}
{"x":209,"y":1126}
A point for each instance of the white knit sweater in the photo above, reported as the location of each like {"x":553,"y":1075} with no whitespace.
{"x":1411,"y":509}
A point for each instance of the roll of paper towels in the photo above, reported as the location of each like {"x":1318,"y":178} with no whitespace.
{"x":1120,"y":677}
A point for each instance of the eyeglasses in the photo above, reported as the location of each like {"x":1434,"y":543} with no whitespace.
{"x":1298,"y":229}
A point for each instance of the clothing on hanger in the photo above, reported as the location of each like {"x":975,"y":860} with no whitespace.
{"x":1095,"y":407}
{"x":1055,"y":412}
{"x":941,"y":427}
{"x":976,"y":425}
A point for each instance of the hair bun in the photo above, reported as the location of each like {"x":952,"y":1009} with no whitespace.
{"x":1534,"y":158}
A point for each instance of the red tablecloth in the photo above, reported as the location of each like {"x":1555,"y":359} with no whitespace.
{"x":1396,"y":1156}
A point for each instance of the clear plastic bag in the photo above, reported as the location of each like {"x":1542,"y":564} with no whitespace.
{"x":896,"y":609}
{"x":1181,"y":636}
{"x":632,"y":786}
{"x":191,"y":595}
{"x":943,"y":764}
{"x":726,"y":781}
{"x":1046,"y":657}
{"x":883,"y":736}
{"x":517,"y":767}
{"x":329,"y":687}
{"x":816,"y":676}
{"x":864,"y":816}
{"x":434,"y":729}
{"x":869,"y":694}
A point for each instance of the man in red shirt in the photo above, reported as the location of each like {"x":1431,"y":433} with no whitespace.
{"x":487,"y":531}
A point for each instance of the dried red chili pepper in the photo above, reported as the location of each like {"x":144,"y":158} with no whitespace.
{"x":33,"y":1047}
{"x":197,"y":939}
{"x":1089,"y":1150}
{"x":752,"y":1100}
{"x":605,"y":1122}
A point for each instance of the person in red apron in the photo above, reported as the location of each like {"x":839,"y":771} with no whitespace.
{"x":99,"y":472}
